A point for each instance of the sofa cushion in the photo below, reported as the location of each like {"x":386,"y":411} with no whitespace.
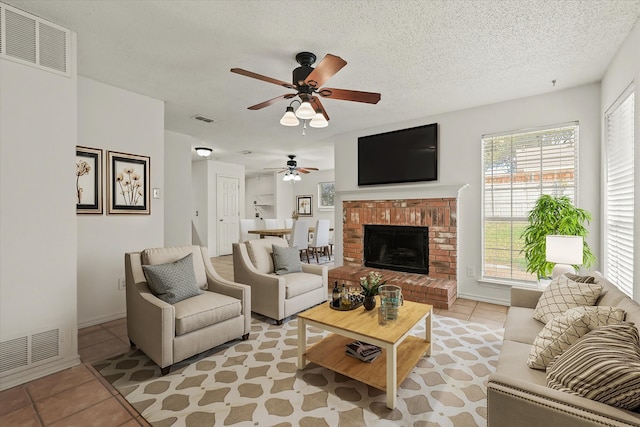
{"x":520,"y":325}
{"x":286,"y":260}
{"x":203,"y":310}
{"x":174,"y":281}
{"x":563,"y":294}
{"x":260,"y":251}
{"x":154,"y":256}
{"x":511,"y":363}
{"x":603,"y":366}
{"x":565,"y":330}
{"x":301,"y":283}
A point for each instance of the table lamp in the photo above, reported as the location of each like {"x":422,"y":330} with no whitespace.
{"x":564,"y":251}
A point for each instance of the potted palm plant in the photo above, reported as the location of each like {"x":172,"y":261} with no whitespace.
{"x":370,"y":285}
{"x":553,"y":215}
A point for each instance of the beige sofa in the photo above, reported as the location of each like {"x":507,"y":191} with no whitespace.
{"x":170,"y":333}
{"x":518,"y":395}
{"x":277,"y":297}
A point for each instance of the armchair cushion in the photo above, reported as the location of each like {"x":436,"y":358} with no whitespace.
{"x":260,"y":253}
{"x":173,"y":282}
{"x":301,"y":283}
{"x":286,"y":260}
{"x":203,"y":310}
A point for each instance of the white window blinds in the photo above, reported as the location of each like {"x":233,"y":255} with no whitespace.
{"x":620,"y":193}
{"x":518,"y":168}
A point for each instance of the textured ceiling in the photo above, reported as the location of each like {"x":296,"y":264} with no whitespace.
{"x":424,"y":57}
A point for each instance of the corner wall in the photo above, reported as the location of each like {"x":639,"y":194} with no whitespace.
{"x":37,"y":218}
{"x":623,"y":70}
{"x":118,"y":120}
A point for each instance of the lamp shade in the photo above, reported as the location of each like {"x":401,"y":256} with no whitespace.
{"x":203,"y":151}
{"x":564,"y":249}
{"x":287,"y":177}
{"x":289,"y":118}
{"x":319,"y":121}
{"x":305,"y":111}
{"x":296,"y":177}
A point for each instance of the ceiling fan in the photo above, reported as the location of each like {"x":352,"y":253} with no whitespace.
{"x":307,"y":82}
{"x":292,"y":169}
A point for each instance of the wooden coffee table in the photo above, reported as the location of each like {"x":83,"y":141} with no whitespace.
{"x":400,"y":354}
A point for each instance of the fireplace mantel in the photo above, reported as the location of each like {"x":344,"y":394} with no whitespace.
{"x":402,"y":192}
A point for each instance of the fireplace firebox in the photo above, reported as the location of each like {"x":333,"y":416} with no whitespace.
{"x":397,"y":247}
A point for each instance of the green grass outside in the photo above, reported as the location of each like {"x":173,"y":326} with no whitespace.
{"x":502,"y":245}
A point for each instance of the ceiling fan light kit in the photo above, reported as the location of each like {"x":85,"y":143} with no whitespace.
{"x":203,"y":151}
{"x":307,"y":82}
{"x":289,"y":118}
{"x":318,"y":121}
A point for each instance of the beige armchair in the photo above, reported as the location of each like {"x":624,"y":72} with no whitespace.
{"x":277,"y":297}
{"x":170,"y":333}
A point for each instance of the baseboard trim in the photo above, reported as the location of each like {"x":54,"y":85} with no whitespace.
{"x":40,"y":371}
{"x":102,"y":319}
{"x":483,"y":298}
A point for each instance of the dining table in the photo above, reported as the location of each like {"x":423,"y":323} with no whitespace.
{"x":277,"y":232}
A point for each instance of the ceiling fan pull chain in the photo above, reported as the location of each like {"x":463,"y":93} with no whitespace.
{"x":304,"y":127}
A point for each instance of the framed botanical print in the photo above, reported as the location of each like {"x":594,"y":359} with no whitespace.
{"x":326,"y":194}
{"x":128,"y":183}
{"x":303,"y":204}
{"x":88,"y":180}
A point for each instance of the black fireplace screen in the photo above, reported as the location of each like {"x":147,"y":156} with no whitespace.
{"x":397,"y":247}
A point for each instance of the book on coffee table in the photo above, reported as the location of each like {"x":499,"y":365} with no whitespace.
{"x":363,"y":351}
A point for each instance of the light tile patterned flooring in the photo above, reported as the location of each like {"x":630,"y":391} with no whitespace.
{"x":81,"y":397}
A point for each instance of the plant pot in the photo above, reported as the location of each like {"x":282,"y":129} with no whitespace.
{"x":369,"y":303}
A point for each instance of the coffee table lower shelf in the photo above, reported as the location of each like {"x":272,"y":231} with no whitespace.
{"x":330,"y":353}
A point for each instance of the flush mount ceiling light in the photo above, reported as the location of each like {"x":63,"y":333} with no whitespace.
{"x":203,"y":151}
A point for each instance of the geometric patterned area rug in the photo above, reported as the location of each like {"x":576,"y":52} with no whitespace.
{"x":256,"y":383}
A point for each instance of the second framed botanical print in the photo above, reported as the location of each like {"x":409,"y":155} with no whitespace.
{"x":304,"y":205}
{"x":128,"y":183}
{"x":88,"y":180}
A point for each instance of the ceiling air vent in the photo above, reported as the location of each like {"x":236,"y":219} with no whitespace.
{"x":203,"y":118}
{"x":29,"y":40}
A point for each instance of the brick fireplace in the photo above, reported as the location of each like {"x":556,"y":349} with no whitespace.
{"x":439,"y":214}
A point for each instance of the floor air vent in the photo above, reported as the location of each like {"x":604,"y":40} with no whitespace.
{"x":28,"y":350}
{"x":33,"y":41}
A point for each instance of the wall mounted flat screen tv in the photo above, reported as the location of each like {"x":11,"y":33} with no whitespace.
{"x":407,"y":155}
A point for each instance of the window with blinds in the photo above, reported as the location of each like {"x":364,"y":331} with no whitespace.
{"x":620,"y":193}
{"x":518,"y":168}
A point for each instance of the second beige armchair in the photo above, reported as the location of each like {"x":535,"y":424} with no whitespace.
{"x":277,"y":297}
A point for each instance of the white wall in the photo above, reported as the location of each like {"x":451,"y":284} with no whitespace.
{"x":256,"y":188}
{"x":460,"y":163}
{"x":623,"y":70}
{"x":204,"y":182}
{"x":309,"y":186}
{"x":177,"y":188}
{"x":37,"y":210}
{"x":118,"y":120}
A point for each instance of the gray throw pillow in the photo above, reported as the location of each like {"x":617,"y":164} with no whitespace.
{"x":286,"y":260}
{"x":173,"y":282}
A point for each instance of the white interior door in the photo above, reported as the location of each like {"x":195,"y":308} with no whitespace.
{"x":227,"y":194}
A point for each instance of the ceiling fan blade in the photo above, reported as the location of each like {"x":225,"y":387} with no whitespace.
{"x":263,"y":78}
{"x":271,"y":101}
{"x":350,"y":95}
{"x":307,"y":169}
{"x":302,"y":170}
{"x":317,"y":105}
{"x":329,"y":65}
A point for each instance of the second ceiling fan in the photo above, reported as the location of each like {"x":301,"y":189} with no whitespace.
{"x":307,"y":82}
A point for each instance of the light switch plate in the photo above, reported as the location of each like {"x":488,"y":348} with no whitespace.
{"x":156,"y":193}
